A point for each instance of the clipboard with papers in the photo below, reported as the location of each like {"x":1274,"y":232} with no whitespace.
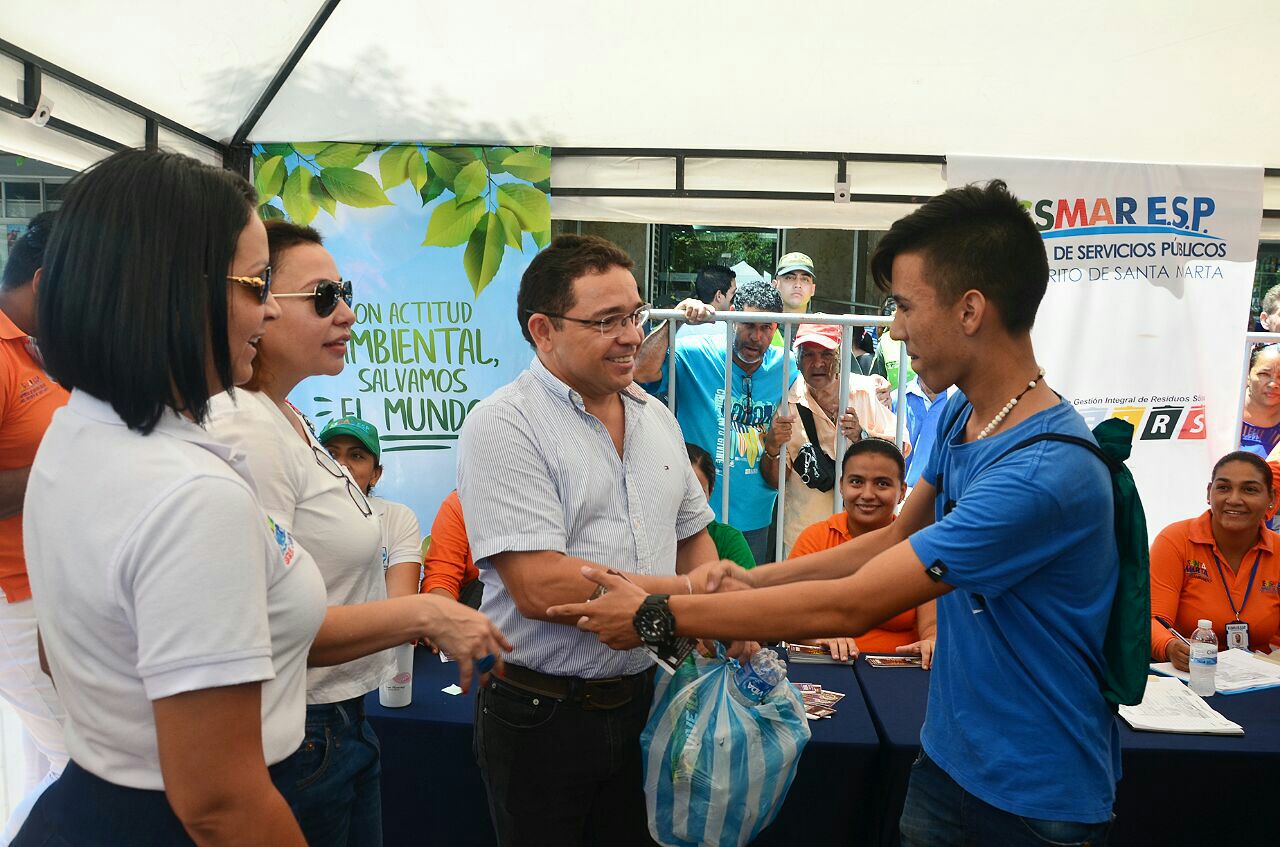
{"x":1239,"y":671}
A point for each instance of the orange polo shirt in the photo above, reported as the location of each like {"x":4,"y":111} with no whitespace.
{"x":28,"y":399}
{"x":890,"y":635}
{"x":1185,"y":585}
{"x":447,"y":561}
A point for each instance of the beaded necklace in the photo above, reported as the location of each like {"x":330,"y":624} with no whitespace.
{"x":1008,"y":407}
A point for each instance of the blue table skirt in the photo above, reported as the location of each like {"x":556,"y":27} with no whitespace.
{"x":431,"y":788}
{"x":432,"y":793}
{"x":1153,"y":763}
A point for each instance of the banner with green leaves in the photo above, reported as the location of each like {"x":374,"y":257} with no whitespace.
{"x":435,"y":239}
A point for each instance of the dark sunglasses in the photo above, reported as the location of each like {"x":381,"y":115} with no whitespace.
{"x":327,"y":293}
{"x":262,"y":283}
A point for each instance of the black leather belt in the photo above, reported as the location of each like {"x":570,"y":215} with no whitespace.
{"x":611,"y":693}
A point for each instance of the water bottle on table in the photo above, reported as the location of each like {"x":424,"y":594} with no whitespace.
{"x":757,"y":677}
{"x":1204,"y":659}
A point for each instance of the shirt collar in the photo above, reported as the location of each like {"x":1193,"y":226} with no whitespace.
{"x":8,"y":329}
{"x":171,"y":424}
{"x":1201,"y":532}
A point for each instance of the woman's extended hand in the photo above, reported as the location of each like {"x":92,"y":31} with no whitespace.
{"x":463,"y":633}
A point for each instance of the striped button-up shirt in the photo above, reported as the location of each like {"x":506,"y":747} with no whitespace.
{"x":536,"y":471}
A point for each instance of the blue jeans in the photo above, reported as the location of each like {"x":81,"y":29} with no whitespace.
{"x":939,"y":813}
{"x":338,"y":798}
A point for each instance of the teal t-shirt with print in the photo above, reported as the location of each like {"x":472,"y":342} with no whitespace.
{"x":700,"y":363}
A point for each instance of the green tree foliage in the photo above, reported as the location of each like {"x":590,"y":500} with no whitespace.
{"x":692,"y":250}
{"x":301,"y":180}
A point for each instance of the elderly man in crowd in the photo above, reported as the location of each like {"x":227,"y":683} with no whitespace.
{"x":808,"y":429}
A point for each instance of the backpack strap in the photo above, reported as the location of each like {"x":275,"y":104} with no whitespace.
{"x":1112,"y":465}
{"x":810,"y":429}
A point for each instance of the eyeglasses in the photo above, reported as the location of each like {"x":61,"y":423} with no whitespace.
{"x":327,"y":293}
{"x":262,"y":283}
{"x":324,"y":460}
{"x":742,"y":414}
{"x":610,"y":327}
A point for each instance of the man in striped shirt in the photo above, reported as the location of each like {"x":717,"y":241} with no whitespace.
{"x":572,"y":467}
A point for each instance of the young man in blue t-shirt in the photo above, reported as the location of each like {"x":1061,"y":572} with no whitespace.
{"x":757,"y":392}
{"x":1019,"y":745}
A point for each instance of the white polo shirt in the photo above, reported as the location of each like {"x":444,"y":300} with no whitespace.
{"x":401,"y":534}
{"x":313,"y":497}
{"x":155,"y":571}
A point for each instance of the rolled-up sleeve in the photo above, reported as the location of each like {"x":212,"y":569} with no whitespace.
{"x":510,"y":501}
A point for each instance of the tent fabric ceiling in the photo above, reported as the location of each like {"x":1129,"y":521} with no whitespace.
{"x":1150,"y":80}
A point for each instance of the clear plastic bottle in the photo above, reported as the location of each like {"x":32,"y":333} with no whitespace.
{"x":1204,"y":658}
{"x":756,"y":678}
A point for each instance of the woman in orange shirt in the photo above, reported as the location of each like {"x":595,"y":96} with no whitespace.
{"x":872,"y":483}
{"x":1223,"y":565}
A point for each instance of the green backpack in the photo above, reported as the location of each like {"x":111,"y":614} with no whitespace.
{"x":1127,"y":646}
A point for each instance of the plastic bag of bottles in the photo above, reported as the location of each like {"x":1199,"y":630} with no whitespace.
{"x":720,"y":750}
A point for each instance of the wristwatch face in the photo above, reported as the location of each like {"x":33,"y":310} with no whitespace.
{"x":653,"y":621}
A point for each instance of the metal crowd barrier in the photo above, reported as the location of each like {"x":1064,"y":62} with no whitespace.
{"x":787,"y":322}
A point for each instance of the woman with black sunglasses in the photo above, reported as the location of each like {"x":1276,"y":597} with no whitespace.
{"x":338,"y":802}
{"x":176,"y":618}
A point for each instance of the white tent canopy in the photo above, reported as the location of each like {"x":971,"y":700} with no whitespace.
{"x":1143,"y":81}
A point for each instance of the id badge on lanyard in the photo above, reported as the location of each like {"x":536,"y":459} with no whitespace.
{"x":1238,"y":630}
{"x":1238,"y":636}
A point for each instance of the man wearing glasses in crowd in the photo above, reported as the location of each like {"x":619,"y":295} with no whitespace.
{"x":757,"y":396}
{"x":568,"y":466}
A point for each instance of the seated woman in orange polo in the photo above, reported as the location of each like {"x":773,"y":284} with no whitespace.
{"x":1223,"y":565}
{"x":872,"y":483}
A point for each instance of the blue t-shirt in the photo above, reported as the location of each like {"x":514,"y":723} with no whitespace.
{"x":1260,"y":440}
{"x":700,"y":411}
{"x":922,"y":426}
{"x":1016,"y":714}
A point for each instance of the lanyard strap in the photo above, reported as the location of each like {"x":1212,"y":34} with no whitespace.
{"x":1248,"y":589}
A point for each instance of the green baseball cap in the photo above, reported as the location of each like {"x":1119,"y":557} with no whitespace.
{"x":795,"y":262}
{"x":361,"y":430}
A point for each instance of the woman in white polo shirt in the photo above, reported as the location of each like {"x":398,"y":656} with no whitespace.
{"x":339,"y":801}
{"x":178,"y":646}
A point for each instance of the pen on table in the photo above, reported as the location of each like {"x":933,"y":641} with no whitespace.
{"x":1169,"y":627}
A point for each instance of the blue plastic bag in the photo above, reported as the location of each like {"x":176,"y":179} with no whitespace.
{"x":717,"y":770}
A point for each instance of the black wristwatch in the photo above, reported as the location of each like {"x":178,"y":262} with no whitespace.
{"x":653,"y":620}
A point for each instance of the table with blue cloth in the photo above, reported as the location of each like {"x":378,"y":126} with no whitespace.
{"x":431,"y":787}
{"x":432,"y":792}
{"x":1154,"y":801}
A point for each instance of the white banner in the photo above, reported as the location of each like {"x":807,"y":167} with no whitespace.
{"x":1150,"y":275}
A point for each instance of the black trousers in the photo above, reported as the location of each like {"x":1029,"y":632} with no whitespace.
{"x":558,"y":773}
